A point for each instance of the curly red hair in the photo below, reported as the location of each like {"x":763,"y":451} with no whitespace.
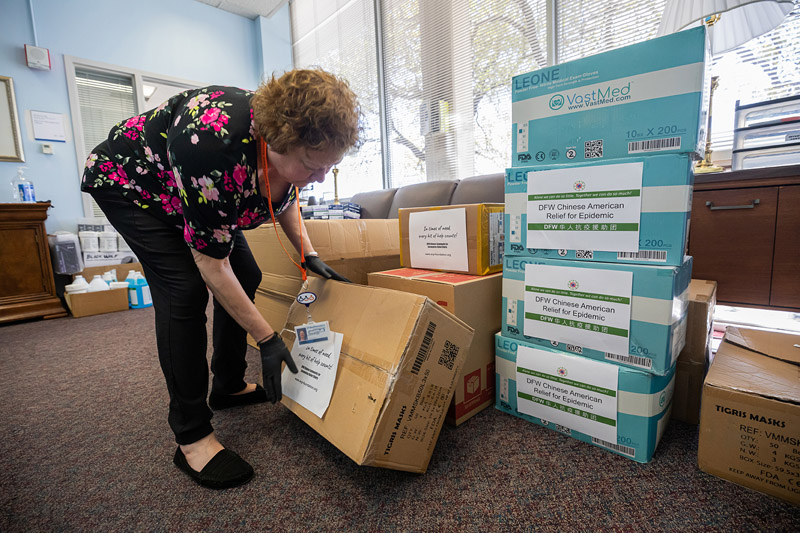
{"x":311,"y":108}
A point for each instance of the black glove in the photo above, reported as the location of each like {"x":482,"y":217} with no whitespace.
{"x":273,"y":352}
{"x":318,"y":266}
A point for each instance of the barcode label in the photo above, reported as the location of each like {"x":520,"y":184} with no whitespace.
{"x":584,"y":254}
{"x":448,"y":356}
{"x":424,"y":349}
{"x":627,"y":450}
{"x":656,"y":256}
{"x":593,"y":149}
{"x":654,"y":145}
{"x":635,"y":360}
{"x":564,"y":429}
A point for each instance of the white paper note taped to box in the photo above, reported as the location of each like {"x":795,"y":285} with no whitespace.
{"x":317,"y":362}
{"x":585,"y":208}
{"x":571,"y":391}
{"x":438,"y":239}
{"x":586,"y":307}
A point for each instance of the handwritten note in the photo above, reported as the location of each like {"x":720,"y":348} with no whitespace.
{"x":438,"y":239}
{"x":317,"y":362}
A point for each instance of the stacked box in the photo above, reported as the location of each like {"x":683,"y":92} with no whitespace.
{"x":642,"y":99}
{"x":651,"y":225}
{"x":331,"y":211}
{"x":622,"y":410}
{"x":645,"y":330}
{"x":464,"y":238}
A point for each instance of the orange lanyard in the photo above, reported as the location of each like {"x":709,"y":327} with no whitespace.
{"x":263,"y":156}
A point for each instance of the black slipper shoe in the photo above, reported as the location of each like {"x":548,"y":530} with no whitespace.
{"x":225,"y":401}
{"x":223,"y":471}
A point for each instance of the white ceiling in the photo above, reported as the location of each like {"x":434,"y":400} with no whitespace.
{"x":247,"y":8}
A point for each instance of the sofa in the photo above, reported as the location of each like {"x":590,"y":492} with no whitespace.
{"x":385,"y":203}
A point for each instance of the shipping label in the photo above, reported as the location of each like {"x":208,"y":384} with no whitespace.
{"x":574,"y":392}
{"x":587,"y":307}
{"x":585,"y":208}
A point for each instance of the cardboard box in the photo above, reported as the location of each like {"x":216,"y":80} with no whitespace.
{"x":571,"y":395}
{"x":657,"y":305}
{"x":700,"y":319}
{"x":351,"y":247}
{"x":400,"y":358}
{"x":750,"y":418}
{"x":647,"y":98}
{"x":96,"y":303}
{"x":466,"y":238}
{"x":580,"y":209}
{"x":689,"y":378}
{"x":476,"y":301}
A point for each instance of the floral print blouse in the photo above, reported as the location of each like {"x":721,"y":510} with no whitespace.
{"x":192,"y":162}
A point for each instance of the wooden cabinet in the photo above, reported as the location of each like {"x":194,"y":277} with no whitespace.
{"x":745,"y":234}
{"x":27,"y":289}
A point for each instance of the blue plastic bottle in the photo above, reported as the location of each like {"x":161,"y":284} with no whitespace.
{"x":138,"y":291}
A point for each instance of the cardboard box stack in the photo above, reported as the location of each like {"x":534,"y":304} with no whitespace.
{"x":456,"y":252}
{"x":693,"y":361}
{"x":331,"y":211}
{"x":595,"y":276}
{"x":750,"y":418}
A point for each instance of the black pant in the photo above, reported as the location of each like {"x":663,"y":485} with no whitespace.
{"x":180,"y":298}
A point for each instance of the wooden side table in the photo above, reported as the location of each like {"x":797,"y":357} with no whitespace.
{"x":27,"y":288}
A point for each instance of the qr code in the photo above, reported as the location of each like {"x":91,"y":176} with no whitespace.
{"x":448,"y":356}
{"x":593,"y":149}
{"x":584,"y":254}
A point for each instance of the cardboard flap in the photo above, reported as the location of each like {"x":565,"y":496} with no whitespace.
{"x":782,"y":346}
{"x":738,"y":367}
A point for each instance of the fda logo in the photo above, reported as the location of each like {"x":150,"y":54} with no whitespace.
{"x":523,"y":157}
{"x":556,"y":102}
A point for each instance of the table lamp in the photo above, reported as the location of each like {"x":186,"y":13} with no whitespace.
{"x":730,"y":23}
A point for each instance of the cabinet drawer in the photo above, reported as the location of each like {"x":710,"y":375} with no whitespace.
{"x":732,"y":240}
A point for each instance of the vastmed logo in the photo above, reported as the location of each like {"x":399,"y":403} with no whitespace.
{"x":556,"y":102}
{"x":609,"y":95}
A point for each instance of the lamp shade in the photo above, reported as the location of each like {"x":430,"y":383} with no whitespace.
{"x":740,"y":20}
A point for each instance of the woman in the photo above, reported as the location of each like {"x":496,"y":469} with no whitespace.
{"x":179,"y":183}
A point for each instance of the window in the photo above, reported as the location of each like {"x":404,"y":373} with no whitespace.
{"x":440,"y":103}
{"x":765,"y":68}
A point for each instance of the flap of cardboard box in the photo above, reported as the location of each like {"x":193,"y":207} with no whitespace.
{"x":758,"y":362}
{"x":701,"y":290}
{"x":783,"y":346}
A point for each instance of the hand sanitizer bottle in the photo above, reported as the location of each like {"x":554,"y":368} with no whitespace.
{"x":22,"y":187}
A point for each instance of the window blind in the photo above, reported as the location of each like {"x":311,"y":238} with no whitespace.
{"x":588,"y":27}
{"x":448,"y":66}
{"x":104,"y":100}
{"x":339,"y":36}
{"x":763,"y":69}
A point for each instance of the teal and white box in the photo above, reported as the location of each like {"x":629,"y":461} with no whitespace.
{"x":629,"y":315}
{"x":620,"y":409}
{"x":634,"y":210}
{"x":647,"y":98}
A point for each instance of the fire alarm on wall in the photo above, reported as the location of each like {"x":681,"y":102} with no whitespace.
{"x":37,"y":57}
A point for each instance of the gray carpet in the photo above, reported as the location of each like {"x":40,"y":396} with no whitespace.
{"x":85,"y":446}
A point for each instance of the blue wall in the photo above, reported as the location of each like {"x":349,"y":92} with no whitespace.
{"x":177,"y":38}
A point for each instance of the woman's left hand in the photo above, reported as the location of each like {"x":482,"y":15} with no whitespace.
{"x":318,"y":266}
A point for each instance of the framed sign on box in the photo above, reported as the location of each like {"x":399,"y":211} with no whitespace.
{"x":10,"y":138}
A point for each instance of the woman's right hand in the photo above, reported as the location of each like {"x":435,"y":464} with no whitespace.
{"x":273,"y":353}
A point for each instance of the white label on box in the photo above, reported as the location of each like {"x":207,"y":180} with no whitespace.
{"x":793,"y":136}
{"x":511,"y":312}
{"x":515,"y":235}
{"x":496,"y":238}
{"x":571,"y":391}
{"x":585,"y":208}
{"x":587,"y":307}
{"x":438,"y":239}
{"x":316,"y":362}
{"x":522,"y":137}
